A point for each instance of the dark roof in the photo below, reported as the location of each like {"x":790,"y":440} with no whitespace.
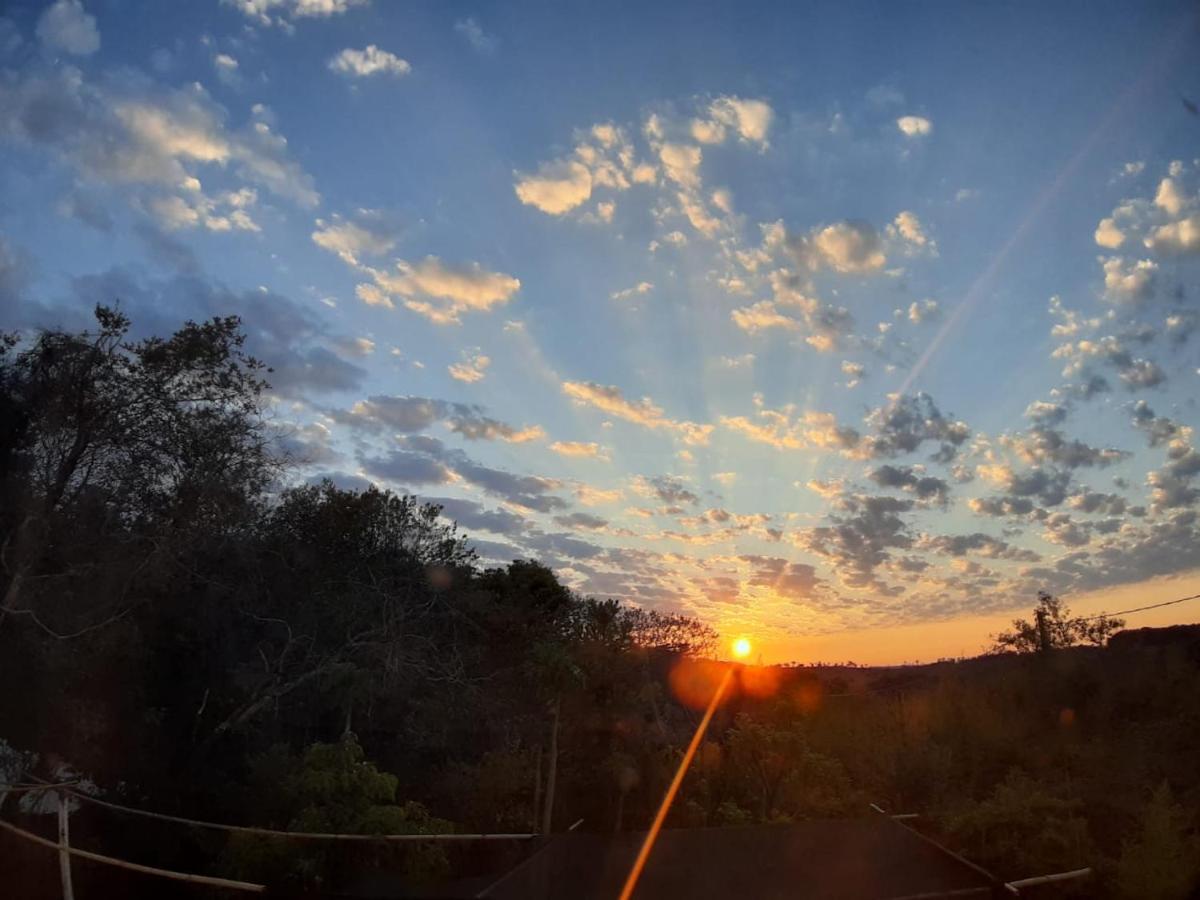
{"x":824,"y":860}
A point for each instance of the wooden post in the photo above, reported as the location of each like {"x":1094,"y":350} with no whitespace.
{"x":64,"y":843}
{"x":551,"y":771}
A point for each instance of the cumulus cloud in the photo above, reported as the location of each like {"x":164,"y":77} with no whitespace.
{"x":367,"y":62}
{"x":913,"y":480}
{"x":644,"y":412}
{"x":860,"y":538}
{"x":914,"y":126}
{"x":557,"y":187}
{"x":783,"y":429}
{"x":440,"y":292}
{"x":848,"y":246}
{"x":976,"y":544}
{"x":1181,"y":238}
{"x":471,"y":369}
{"x":367,"y":232}
{"x":796,"y":581}
{"x":908,"y":227}
{"x":1128,"y":280}
{"x":603,"y":158}
{"x":750,"y":119}
{"x":280,"y":12}
{"x":66,"y":27}
{"x":906,"y":422}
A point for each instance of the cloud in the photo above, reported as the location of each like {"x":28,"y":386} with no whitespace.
{"x":407,"y":467}
{"x":360,"y":346}
{"x":666,"y":488}
{"x":859,"y":540}
{"x":65,"y":26}
{"x":471,"y":369}
{"x":906,"y":422}
{"x":681,"y":163}
{"x":419,"y":459}
{"x":579,"y":449}
{"x":1043,"y":444}
{"x":367,"y":62}
{"x":848,"y":246}
{"x":603,"y":158}
{"x":641,"y":288}
{"x":777,"y":428}
{"x":581,"y":520}
{"x":473,"y":515}
{"x":1108,"y":234}
{"x":796,"y":581}
{"x":441,"y":292}
{"x":126,"y":133}
{"x":409,"y":415}
{"x":473,"y":33}
{"x":644,"y":412}
{"x":284,"y":10}
{"x":1180,"y":238}
{"x":750,"y":119}
{"x":1128,"y":281}
{"x":557,"y":187}
{"x":854,"y":372}
{"x":914,"y":126}
{"x":976,"y":544}
{"x":368,"y":232}
{"x":908,"y":227}
{"x":913,"y":480}
{"x":1048,"y":485}
{"x":923,"y":312}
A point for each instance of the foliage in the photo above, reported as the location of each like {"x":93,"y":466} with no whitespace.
{"x":1053,"y":627}
{"x":1026,"y":826}
{"x":1161,"y":859}
{"x":332,"y":789}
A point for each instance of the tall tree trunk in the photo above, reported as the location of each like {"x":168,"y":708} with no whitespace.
{"x":551,"y":769}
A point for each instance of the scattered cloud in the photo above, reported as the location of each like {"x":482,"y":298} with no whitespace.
{"x":471,"y":369}
{"x":66,"y":27}
{"x":644,"y":412}
{"x":914,"y":126}
{"x":367,"y":62}
{"x":441,"y":293}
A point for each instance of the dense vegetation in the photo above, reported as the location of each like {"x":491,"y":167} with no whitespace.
{"x":196,"y":638}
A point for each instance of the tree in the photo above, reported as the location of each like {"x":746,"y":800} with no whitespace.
{"x":1054,"y":627}
{"x":115,"y":456}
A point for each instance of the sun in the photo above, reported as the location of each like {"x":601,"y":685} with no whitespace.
{"x":741,"y":648}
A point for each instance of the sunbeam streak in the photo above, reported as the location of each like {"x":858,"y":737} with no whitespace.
{"x":684,"y":764}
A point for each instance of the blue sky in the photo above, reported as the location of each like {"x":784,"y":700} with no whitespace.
{"x":797,"y":319}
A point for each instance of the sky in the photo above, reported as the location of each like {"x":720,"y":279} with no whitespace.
{"x":845,"y":327}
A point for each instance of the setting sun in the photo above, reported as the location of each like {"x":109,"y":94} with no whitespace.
{"x":741,"y":648}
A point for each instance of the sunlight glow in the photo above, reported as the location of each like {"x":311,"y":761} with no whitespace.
{"x":742,"y":648}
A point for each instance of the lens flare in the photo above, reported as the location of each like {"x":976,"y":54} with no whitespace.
{"x":741,"y":648}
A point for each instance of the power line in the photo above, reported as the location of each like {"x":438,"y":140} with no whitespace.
{"x":1125,"y":612}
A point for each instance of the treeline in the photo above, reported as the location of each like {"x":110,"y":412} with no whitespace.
{"x":200,"y":638}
